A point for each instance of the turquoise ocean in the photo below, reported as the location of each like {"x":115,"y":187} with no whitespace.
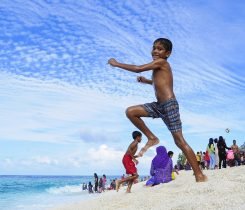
{"x":43,"y":192}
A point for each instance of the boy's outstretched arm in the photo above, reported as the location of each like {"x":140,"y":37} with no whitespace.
{"x":137,"y":69}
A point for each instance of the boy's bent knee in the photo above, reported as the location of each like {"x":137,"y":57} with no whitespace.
{"x":136,"y":111}
{"x":129,"y":112}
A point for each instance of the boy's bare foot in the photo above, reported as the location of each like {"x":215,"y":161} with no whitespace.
{"x":128,"y":191}
{"x":150,"y":143}
{"x":117,"y":185}
{"x":201,"y":178}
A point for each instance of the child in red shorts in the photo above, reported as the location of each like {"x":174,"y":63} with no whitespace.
{"x":129,"y":161}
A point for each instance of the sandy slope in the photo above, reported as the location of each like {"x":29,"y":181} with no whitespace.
{"x":225,"y":189}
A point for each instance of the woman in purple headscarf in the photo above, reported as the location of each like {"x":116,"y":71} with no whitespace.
{"x":161,"y":167}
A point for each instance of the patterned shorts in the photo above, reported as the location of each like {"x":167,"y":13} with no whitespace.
{"x":168,"y":111}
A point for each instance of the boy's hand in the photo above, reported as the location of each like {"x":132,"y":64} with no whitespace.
{"x":136,"y":161}
{"x":141,"y":79}
{"x":112,"y":62}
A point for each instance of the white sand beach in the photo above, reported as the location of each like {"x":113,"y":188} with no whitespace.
{"x":225,"y":189}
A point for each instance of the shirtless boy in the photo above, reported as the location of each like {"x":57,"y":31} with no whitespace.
{"x":166,"y":106}
{"x":129,"y":161}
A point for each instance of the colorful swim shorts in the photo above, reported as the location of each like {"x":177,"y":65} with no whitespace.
{"x":168,"y":111}
{"x":129,"y":164}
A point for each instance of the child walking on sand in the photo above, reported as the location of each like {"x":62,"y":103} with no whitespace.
{"x":129,"y":161}
{"x":166,"y":106}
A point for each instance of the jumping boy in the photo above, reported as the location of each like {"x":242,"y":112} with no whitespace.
{"x":129,"y":161}
{"x":166,"y":106}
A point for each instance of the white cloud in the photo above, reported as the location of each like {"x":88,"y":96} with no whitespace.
{"x":7,"y":162}
{"x":38,"y":111}
{"x":104,"y":154}
{"x":45,"y":160}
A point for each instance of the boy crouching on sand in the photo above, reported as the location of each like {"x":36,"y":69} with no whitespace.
{"x":129,"y":161}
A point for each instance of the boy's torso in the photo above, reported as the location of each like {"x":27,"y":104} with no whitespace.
{"x":132,"y":149}
{"x":162,"y":79}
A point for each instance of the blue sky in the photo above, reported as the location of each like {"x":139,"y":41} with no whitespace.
{"x":63,"y":108}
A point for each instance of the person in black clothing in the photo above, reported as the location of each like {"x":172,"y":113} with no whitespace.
{"x":222,"y":151}
{"x":96,"y":182}
{"x":90,"y":188}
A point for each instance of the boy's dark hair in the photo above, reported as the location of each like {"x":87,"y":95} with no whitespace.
{"x":170,"y":153}
{"x":136,"y":134}
{"x":166,"y":43}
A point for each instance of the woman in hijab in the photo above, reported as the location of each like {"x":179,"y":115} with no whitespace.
{"x":161,"y":168}
{"x":222,"y":151}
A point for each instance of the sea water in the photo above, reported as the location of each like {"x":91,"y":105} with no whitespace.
{"x":43,"y":192}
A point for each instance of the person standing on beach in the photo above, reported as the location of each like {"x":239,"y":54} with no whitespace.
{"x":222,"y":152}
{"x":216,"y":153}
{"x":100,"y":185}
{"x":96,"y":182}
{"x":104,"y":182}
{"x":202,"y":160}
{"x":129,"y":161}
{"x":236,"y":153}
{"x":211,"y":152}
{"x":207,"y":159}
{"x":166,"y":106}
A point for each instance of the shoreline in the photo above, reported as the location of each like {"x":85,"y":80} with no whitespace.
{"x":225,"y":189}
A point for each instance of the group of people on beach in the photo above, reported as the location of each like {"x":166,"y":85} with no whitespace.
{"x":99,"y":184}
{"x":165,"y":107}
{"x":217,"y":155}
